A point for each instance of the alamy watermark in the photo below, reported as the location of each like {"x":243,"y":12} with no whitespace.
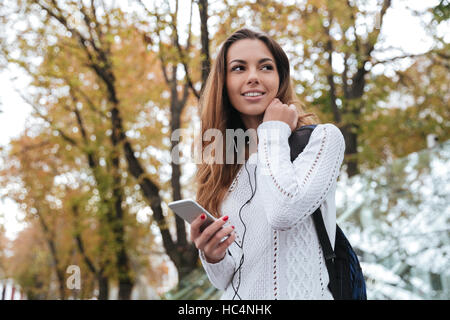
{"x":378,"y":20}
{"x":73,"y":282}
{"x":235,"y":141}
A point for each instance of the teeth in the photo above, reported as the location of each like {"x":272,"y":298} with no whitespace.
{"x":253,"y":94}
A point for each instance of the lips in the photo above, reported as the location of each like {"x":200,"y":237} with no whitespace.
{"x":254,"y":98}
{"x":253,"y":93}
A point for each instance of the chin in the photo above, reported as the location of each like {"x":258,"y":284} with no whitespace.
{"x":253,"y":112}
{"x":254,"y":109}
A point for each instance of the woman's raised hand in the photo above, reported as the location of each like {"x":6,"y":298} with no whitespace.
{"x":209,"y":240}
{"x":282,"y":112}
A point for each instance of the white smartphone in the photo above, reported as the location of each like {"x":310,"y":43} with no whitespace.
{"x":189,"y":210}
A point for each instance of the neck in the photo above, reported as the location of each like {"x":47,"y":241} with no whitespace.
{"x":252,"y":122}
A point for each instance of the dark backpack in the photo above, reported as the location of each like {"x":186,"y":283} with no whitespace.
{"x":346,"y":277}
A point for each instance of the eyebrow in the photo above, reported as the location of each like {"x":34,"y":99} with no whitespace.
{"x":245,"y":62}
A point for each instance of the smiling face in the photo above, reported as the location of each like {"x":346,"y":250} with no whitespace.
{"x":252,"y":79}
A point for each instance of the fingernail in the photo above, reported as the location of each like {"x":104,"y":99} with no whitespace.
{"x":232,"y":227}
{"x":203,"y":216}
{"x":225,"y":218}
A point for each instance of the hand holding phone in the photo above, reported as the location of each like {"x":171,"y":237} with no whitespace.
{"x":214,"y":240}
{"x":207,"y":232}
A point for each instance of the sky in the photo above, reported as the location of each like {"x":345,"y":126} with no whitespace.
{"x":400,"y":29}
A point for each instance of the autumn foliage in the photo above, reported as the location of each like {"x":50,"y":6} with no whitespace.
{"x":108,"y":86}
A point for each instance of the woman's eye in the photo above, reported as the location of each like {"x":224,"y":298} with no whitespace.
{"x":241,"y":68}
{"x":236,"y":68}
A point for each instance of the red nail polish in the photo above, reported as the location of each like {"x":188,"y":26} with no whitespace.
{"x":232,"y":227}
{"x":203,"y":216}
{"x":225,"y":218}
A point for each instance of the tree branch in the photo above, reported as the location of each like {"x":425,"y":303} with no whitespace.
{"x":80,"y":243}
{"x":375,"y":62}
{"x":50,"y":122}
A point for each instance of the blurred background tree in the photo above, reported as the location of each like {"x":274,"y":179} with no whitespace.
{"x":110,"y":83}
{"x":78,"y":98}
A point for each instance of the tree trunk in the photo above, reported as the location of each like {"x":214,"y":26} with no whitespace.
{"x":123,"y":264}
{"x":54,"y":255}
{"x":351,"y":145}
{"x":352,"y":94}
{"x":103,"y":287}
{"x":185,"y":260}
{"x":4,"y":291}
{"x":125,"y":288}
{"x":185,"y":255}
{"x":103,"y":282}
{"x":206,"y":61}
{"x":176,"y":169}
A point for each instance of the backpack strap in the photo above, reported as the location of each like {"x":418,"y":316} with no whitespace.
{"x":323,"y":236}
{"x":299,"y":139}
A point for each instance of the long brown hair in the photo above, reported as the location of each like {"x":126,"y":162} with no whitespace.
{"x":216,"y":111}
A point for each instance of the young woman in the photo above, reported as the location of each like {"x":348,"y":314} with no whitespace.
{"x":264,"y":206}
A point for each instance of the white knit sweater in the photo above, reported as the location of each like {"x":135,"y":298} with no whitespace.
{"x":282,"y":255}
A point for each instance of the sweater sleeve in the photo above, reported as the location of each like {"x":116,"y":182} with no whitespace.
{"x":220,"y":274}
{"x":294,"y":190}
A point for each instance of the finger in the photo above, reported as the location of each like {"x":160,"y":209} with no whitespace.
{"x":221,"y":248}
{"x":195,"y":226}
{"x":296,"y":114}
{"x":204,"y":237}
{"x":294,"y":110}
{"x":217,"y":238}
{"x":272,"y":103}
{"x":278,"y":102}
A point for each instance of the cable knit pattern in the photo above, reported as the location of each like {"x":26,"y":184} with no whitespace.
{"x":282,"y":255}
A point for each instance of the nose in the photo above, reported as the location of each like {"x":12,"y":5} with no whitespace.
{"x":252,"y":76}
